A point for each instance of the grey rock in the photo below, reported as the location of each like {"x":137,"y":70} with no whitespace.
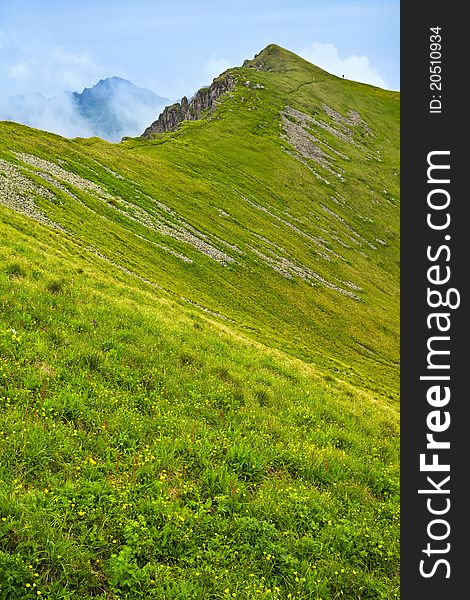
{"x":203,"y":100}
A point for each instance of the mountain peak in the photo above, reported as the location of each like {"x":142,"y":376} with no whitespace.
{"x":109,"y":84}
{"x":271,"y":49}
{"x":114,"y":80}
{"x":115,"y":107}
{"x":278,"y":59}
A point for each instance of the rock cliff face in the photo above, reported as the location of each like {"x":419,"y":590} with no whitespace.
{"x":205,"y":98}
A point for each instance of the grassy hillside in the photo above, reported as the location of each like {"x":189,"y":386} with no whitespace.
{"x":200,"y":350}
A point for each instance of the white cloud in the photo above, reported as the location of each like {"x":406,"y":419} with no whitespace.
{"x":57,"y":114}
{"x":68,"y":58}
{"x":70,"y":71}
{"x":3,"y":39}
{"x":214,"y":67}
{"x":36,"y":67}
{"x":357,"y":68}
{"x":19,"y":71}
{"x":176,"y":86}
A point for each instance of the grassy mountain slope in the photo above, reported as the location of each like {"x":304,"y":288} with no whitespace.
{"x":200,"y":346}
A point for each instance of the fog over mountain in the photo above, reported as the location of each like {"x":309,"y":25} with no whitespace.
{"x":111,"y":109}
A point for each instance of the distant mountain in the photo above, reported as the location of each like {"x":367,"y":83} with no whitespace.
{"x":115,"y":107}
{"x":111,"y":109}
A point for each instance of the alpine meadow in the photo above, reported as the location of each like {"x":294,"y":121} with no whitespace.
{"x":199,"y":348}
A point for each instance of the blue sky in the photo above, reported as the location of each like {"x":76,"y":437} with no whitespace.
{"x":173,"y":48}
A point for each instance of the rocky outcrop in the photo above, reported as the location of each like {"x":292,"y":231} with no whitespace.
{"x":204,"y":99}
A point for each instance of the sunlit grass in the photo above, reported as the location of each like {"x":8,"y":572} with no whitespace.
{"x":147,"y":451}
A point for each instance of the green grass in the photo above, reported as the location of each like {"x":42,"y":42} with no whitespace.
{"x":152,"y":449}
